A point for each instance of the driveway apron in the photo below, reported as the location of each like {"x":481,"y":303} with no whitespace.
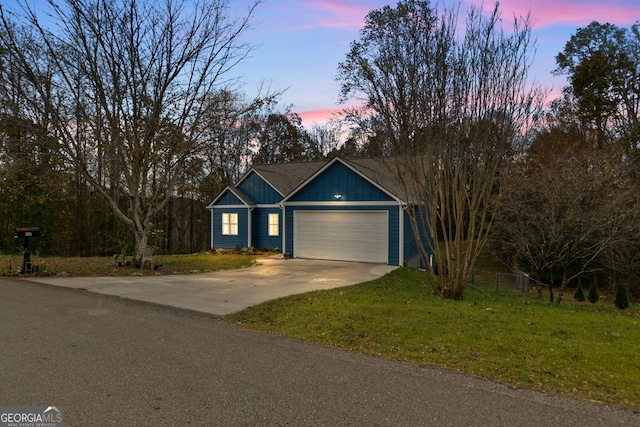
{"x":224,"y":292}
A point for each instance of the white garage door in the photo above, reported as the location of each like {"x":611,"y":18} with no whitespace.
{"x":341,"y":235}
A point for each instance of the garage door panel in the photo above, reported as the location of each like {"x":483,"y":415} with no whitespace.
{"x":342,"y":235}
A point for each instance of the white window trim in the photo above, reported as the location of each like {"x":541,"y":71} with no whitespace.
{"x":229,"y":224}
{"x":271,"y":225}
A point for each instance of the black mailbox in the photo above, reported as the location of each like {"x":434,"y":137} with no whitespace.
{"x":26,"y":232}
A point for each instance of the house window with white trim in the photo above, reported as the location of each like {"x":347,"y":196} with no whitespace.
{"x":229,"y":224}
{"x":274,"y":224}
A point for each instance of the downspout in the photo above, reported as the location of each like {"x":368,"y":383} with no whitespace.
{"x":249,"y":229}
{"x":401,"y":210}
{"x":212,"y":227}
{"x":284,"y":237}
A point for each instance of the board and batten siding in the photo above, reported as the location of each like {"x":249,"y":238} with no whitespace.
{"x":339,"y":179}
{"x":259,"y":191}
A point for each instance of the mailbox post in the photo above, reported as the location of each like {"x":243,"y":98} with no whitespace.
{"x":26,"y":232}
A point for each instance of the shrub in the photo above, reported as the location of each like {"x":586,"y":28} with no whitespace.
{"x":579,"y":295}
{"x":622,"y":299}
{"x":593,"y":296}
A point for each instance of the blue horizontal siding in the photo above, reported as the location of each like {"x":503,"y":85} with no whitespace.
{"x":225,"y":241}
{"x":411,"y":251}
{"x":260,"y":224}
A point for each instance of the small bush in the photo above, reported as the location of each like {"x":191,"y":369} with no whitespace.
{"x":622,"y":298}
{"x":579,"y":295}
{"x":594,"y":295}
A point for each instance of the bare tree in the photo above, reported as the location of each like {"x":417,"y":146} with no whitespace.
{"x":574,"y":214}
{"x":326,"y":137}
{"x":457,"y":108}
{"x":129,"y":82}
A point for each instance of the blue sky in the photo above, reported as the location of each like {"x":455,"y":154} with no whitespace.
{"x":299,"y":43}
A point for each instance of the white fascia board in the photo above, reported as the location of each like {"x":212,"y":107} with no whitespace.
{"x":246,"y":175}
{"x":357,"y":172}
{"x":222,"y":193}
{"x":311,"y":178}
{"x":343,"y":204}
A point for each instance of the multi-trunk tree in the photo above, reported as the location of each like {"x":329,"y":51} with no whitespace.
{"x":456,"y":108}
{"x":124,"y":87}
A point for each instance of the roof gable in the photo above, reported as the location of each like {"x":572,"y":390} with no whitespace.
{"x":341,"y":177}
{"x":259,"y":190}
{"x":231,"y":196}
{"x":272,"y":184}
{"x":285,"y":177}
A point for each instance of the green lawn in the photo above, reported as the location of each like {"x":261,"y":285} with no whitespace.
{"x":104,"y":266}
{"x":591,"y":351}
{"x":578,"y":349}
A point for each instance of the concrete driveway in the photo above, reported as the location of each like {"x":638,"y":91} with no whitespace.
{"x":225,"y":292}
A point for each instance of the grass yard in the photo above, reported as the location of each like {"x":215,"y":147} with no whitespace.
{"x":104,"y":266}
{"x":577,"y":349}
{"x":590,"y":351}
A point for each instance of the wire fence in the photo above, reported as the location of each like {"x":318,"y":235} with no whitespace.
{"x":503,"y":283}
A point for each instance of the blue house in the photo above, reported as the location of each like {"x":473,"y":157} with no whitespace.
{"x":348,"y":210}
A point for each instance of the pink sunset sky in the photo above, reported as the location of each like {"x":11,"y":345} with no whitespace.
{"x":299,"y":43}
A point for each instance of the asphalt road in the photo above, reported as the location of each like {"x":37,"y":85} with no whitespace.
{"x":114,"y":362}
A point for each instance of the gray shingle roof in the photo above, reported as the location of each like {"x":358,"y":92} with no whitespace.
{"x":240,"y":195}
{"x":382,"y":171}
{"x":286,"y":177}
{"x":386,"y":172}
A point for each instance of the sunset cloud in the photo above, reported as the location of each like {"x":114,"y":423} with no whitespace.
{"x":549,"y":13}
{"x":320,"y":116}
{"x":341,"y":13}
{"x":300,"y":42}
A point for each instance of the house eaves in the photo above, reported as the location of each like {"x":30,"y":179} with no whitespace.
{"x":285,"y":177}
{"x":236,"y":192}
{"x":378,"y":180}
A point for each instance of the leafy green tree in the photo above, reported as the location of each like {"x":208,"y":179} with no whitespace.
{"x":593,"y":295}
{"x":602,"y":62}
{"x":453,"y":108}
{"x":622,"y":298}
{"x":579,"y":295}
{"x":283,"y":139}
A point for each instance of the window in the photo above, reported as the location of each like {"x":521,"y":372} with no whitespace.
{"x":274,"y":220}
{"x":230,"y":224}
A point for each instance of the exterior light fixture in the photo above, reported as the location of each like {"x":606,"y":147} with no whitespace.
{"x":337,"y":196}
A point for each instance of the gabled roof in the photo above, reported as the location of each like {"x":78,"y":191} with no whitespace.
{"x":382,"y":171}
{"x":236,"y":192}
{"x":285,"y":178}
{"x":376,"y":171}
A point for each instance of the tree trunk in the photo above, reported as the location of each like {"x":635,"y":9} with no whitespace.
{"x":563,"y":286}
{"x":141,"y":239}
